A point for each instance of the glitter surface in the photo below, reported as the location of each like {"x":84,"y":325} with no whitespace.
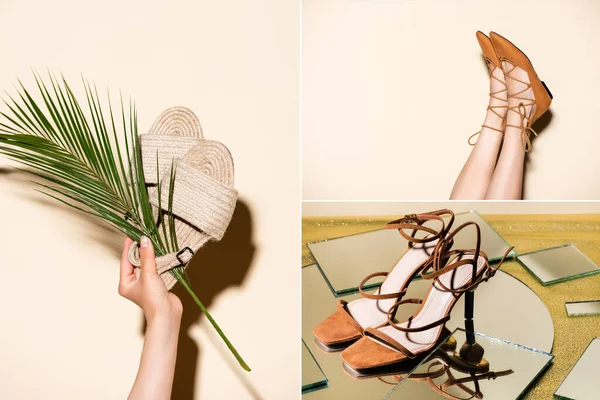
{"x":527,"y":233}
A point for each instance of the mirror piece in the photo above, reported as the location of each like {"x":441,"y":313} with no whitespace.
{"x":582,"y":308}
{"x":506,"y":373}
{"x":558,"y":264}
{"x":581,"y":382}
{"x":519,"y":318}
{"x":345,"y":261}
{"x":313,"y":377}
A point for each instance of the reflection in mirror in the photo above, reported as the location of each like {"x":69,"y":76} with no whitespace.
{"x":313,"y":377}
{"x":347,"y":260}
{"x":581,"y":308}
{"x":558,"y":264}
{"x":505,"y":371}
{"x":581,"y":382}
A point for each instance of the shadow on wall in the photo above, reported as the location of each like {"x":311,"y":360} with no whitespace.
{"x":218,"y":266}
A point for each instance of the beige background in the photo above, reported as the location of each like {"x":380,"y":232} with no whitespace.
{"x":393,"y":89}
{"x":349,"y":208}
{"x":64,"y":331}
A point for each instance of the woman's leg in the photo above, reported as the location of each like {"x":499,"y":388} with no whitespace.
{"x":507,"y":181}
{"x":473,"y":181}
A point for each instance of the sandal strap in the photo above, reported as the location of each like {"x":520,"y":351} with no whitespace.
{"x":442,"y":253}
{"x":389,"y":341}
{"x":416,"y":223}
{"x":343,"y":306}
{"x":444,"y":260}
{"x":199,"y":199}
{"x":163,"y":263}
{"x":408,"y":329}
{"x":493,"y":95}
{"x":373,"y":296}
{"x":524,"y":124}
{"x":526,"y":130}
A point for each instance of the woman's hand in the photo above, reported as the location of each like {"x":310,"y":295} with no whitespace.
{"x":162,"y":310}
{"x":148,"y":291}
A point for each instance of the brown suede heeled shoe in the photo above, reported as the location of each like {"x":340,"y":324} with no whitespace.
{"x":347,"y":324}
{"x":496,"y":73}
{"x":455,"y":271}
{"x":529,"y":110}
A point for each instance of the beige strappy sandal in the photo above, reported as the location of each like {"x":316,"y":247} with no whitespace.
{"x":528,"y":109}
{"x":347,"y":324}
{"x":203,"y":197}
{"x":496,"y":74}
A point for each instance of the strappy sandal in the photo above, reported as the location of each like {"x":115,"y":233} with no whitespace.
{"x":501,"y":95}
{"x":347,"y":324}
{"x":465,"y":270}
{"x":203,"y":197}
{"x":511,"y":58}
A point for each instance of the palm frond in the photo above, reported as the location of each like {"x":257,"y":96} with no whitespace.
{"x":79,"y":156}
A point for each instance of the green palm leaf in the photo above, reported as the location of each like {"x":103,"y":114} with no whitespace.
{"x":79,"y":155}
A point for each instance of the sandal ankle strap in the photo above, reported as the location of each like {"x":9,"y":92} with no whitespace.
{"x":416,"y":223}
{"x":445,"y":260}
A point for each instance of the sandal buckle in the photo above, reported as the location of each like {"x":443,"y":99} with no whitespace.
{"x":182,"y":252}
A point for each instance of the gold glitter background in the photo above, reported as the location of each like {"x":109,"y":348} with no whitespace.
{"x":527,"y":233}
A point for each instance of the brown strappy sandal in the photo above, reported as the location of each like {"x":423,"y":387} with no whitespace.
{"x":347,"y":324}
{"x":465,"y":270}
{"x":501,"y":95}
{"x":511,"y":58}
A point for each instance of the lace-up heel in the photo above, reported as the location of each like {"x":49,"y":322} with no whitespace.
{"x":528,"y":110}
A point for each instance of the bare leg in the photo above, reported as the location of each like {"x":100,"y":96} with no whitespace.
{"x":507,"y":181}
{"x":473,"y":181}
